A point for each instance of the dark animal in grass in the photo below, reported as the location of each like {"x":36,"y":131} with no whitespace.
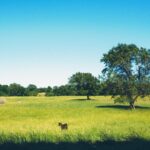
{"x":63,"y":126}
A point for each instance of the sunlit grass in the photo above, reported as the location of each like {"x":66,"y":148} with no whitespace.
{"x":35,"y":119}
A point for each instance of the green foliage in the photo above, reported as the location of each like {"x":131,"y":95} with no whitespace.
{"x":127,"y":71}
{"x":84,"y":83}
{"x":31,"y":90}
{"x":64,"y":90}
{"x":4,"y":90}
{"x":49,"y":91}
{"x":16,"y":90}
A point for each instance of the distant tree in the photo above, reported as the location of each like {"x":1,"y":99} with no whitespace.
{"x":56,"y":91}
{"x":127,"y":72}
{"x":49,"y":91}
{"x":16,"y":90}
{"x":31,"y":90}
{"x":64,"y":90}
{"x":4,"y":91}
{"x":85,"y":84}
{"x":70,"y":90}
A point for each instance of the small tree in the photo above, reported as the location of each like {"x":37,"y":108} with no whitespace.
{"x":49,"y":91}
{"x":84,"y":83}
{"x":127,"y":71}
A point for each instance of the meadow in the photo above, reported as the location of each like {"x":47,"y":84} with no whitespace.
{"x":35,"y":120}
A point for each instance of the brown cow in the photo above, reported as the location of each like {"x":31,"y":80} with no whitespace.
{"x":63,"y":126}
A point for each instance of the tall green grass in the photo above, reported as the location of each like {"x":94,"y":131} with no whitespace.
{"x":35,"y":119}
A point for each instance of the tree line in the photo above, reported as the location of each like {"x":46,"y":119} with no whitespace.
{"x":69,"y":89}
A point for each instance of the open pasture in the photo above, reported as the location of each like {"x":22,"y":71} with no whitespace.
{"x":35,"y":119}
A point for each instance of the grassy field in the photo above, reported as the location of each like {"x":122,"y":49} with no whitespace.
{"x":35,"y":119}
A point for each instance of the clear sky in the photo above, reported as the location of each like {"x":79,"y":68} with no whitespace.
{"x":45,"y":41}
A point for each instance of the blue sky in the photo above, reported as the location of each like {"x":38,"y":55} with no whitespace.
{"x":45,"y":41}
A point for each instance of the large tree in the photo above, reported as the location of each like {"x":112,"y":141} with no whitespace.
{"x":31,"y":90}
{"x":85,"y":84}
{"x":127,"y":71}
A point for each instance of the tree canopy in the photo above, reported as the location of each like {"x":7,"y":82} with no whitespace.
{"x":16,"y":90}
{"x":127,"y":71}
{"x":84,"y":83}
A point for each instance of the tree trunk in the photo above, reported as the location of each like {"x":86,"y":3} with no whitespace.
{"x":88,"y":97}
{"x":132,"y":106}
{"x":132,"y":101}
